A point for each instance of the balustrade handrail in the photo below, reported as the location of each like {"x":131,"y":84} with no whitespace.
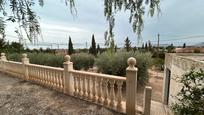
{"x":46,"y":67}
{"x":113,"y":77}
{"x":13,"y":62}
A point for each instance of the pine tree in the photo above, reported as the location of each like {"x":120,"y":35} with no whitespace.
{"x":92,"y":49}
{"x":184,"y":45}
{"x":70,"y":47}
{"x":142,"y":45}
{"x":127,"y":44}
{"x":146,"y":47}
{"x":149,"y":46}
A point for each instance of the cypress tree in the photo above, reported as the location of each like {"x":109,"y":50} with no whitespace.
{"x":184,"y":45}
{"x":142,"y":45}
{"x":146,"y":47}
{"x":127,"y":44}
{"x":98,"y":49}
{"x":92,"y":49}
{"x":70,"y":47}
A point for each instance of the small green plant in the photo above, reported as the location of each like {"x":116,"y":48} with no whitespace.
{"x":82,"y":61}
{"x":190,"y":99}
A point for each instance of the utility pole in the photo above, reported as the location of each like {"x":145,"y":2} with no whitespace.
{"x":158,"y":46}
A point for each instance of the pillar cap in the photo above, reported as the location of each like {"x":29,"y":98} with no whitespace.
{"x":67,"y":58}
{"x":24,"y":55}
{"x":2,"y":54}
{"x":131,"y":62}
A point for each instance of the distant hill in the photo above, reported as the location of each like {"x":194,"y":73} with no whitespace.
{"x":199,"y":44}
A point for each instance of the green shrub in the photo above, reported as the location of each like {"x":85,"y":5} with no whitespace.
{"x":46,"y":59}
{"x":116,"y":64}
{"x":82,"y":61}
{"x":40,"y":58}
{"x":159,"y":63}
{"x":14,"y":57}
{"x":190,"y":99}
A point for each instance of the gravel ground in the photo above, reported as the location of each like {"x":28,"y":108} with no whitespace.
{"x":18,"y":97}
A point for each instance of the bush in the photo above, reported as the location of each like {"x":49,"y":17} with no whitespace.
{"x":159,"y":63}
{"x":14,"y":57}
{"x":40,"y":58}
{"x":190,"y":99}
{"x":46,"y":59}
{"x":82,"y":61}
{"x":116,"y":64}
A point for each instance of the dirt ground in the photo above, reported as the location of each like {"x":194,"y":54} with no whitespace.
{"x":156,"y":82}
{"x":18,"y":97}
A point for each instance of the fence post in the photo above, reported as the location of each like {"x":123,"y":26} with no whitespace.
{"x":131,"y":86}
{"x":25,"y":61}
{"x":68,"y":80}
{"x":147,"y":100}
{"x":3,"y":59}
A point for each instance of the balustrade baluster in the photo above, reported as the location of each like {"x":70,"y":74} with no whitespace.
{"x":75,"y":84}
{"x":54,"y":80}
{"x":105,"y":90}
{"x":112,"y":93}
{"x":94,"y":97}
{"x":38,"y":74}
{"x":49,"y":78}
{"x":88,"y":88}
{"x":35,"y":74}
{"x":79,"y":85}
{"x":100,"y":93}
{"x":60,"y":82}
{"x":43,"y":74}
{"x":84,"y":86}
{"x":57,"y":80}
{"x":119,"y":95}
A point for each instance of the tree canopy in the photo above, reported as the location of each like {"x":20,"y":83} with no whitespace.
{"x":23,"y":14}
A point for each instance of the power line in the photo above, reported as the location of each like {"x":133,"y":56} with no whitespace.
{"x":182,"y":38}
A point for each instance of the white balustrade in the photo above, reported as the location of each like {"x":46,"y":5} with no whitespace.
{"x":99,"y":83}
{"x":46,"y":76}
{"x":98,"y":88}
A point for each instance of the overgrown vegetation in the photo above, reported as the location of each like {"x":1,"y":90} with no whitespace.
{"x":82,"y":61}
{"x":190,"y":99}
{"x":40,"y":58}
{"x":116,"y":64}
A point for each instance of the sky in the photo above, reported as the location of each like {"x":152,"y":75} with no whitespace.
{"x":179,"y":21}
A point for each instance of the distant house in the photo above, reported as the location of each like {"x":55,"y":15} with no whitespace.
{"x":190,"y":50}
{"x":176,"y":64}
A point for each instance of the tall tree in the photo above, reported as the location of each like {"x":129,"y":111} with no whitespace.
{"x":127,"y":44}
{"x":142,"y":45}
{"x":15,"y":47}
{"x":70,"y":47}
{"x":92,"y":49}
{"x":149,"y":45}
{"x":146,"y":47}
{"x":2,"y":44}
{"x":184,"y":45}
{"x":98,"y":49}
